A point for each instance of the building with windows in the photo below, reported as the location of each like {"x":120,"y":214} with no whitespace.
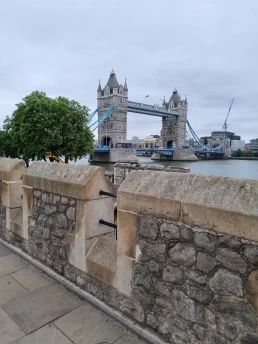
{"x":254,"y":146}
{"x":237,"y":144}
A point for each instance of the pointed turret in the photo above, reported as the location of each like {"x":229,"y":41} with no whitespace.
{"x":99,"y":88}
{"x":125,"y":85}
{"x":164,"y":102}
{"x":112,"y":81}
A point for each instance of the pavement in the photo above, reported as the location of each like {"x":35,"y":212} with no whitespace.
{"x":34,"y":309}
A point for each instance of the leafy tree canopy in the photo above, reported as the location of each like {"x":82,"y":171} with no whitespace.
{"x":41,"y":124}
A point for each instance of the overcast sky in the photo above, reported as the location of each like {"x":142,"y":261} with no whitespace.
{"x":206,"y":48}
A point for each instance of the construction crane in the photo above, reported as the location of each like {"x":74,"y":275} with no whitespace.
{"x":225,"y":125}
{"x":52,"y":156}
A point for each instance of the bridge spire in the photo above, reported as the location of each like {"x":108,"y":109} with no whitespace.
{"x":99,"y":88}
{"x":125,"y":85}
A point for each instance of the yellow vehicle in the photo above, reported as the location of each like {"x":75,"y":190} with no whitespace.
{"x":52,"y":156}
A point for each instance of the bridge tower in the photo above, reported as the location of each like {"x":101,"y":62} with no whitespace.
{"x":114,"y":129}
{"x":173,"y":131}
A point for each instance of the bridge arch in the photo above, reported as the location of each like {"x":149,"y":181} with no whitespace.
{"x":170,"y":144}
{"x":106,"y":141}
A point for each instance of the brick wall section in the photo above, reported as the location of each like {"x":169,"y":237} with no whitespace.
{"x":193,"y":285}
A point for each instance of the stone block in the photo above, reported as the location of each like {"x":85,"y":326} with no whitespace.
{"x":229,"y":241}
{"x":173,"y":274}
{"x":205,"y":262}
{"x":76,"y":251}
{"x":76,"y":181}
{"x":88,"y":215}
{"x":226,"y":283}
{"x":11,"y":169}
{"x":148,"y":227}
{"x":188,"y":308}
{"x":9,"y":330}
{"x":133,"y":309}
{"x":126,"y":233}
{"x":169,"y":231}
{"x":162,"y":288}
{"x":221,"y":220}
{"x":205,"y":241}
{"x":251,"y":289}
{"x":27,"y":209}
{"x":196,"y":276}
{"x":228,"y":330}
{"x":154,"y":266}
{"x":249,"y":338}
{"x":152,"y":251}
{"x":41,"y":306}
{"x":198,"y":293}
{"x":237,"y":311}
{"x":231,"y":260}
{"x":12,"y":194}
{"x":182,"y":253}
{"x":104,"y":264}
{"x":142,"y":276}
{"x":251,"y":253}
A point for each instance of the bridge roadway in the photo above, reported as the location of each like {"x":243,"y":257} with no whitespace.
{"x":199,"y":151}
{"x":152,"y":110}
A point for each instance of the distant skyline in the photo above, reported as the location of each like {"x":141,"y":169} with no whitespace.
{"x":205,"y":48}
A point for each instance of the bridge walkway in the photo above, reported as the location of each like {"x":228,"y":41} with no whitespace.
{"x":36,"y":309}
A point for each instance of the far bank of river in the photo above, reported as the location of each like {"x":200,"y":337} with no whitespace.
{"x":236,"y":168}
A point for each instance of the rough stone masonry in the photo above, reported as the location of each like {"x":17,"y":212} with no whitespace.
{"x":185,"y":262}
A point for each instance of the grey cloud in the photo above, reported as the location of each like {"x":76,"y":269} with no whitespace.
{"x":205,"y":48}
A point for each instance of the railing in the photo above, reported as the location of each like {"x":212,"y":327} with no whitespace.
{"x":154,"y":150}
{"x":102,"y":149}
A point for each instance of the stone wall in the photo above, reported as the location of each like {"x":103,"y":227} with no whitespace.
{"x":185,"y":262}
{"x":121,"y":170}
{"x":195,"y":243}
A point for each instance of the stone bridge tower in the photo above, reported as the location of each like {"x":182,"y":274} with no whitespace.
{"x":173,"y":131}
{"x":114,"y":129}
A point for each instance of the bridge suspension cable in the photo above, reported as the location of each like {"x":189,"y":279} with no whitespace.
{"x":96,"y":124}
{"x":207,"y":148}
{"x":92,"y":115}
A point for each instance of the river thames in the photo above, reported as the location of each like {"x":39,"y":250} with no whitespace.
{"x":227,"y":168}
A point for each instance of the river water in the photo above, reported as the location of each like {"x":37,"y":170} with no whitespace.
{"x":228,"y":168}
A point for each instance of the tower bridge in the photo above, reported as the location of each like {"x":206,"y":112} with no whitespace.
{"x":112,"y":128}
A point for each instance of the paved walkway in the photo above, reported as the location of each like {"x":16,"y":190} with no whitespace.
{"x":34,"y":309}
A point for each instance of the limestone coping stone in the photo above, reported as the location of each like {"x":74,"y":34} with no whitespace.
{"x":77,"y":181}
{"x":11,"y":169}
{"x":227,"y":205}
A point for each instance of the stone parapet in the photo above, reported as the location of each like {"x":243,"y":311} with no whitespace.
{"x":185,"y":262}
{"x":195,"y":244}
{"x":121,"y":170}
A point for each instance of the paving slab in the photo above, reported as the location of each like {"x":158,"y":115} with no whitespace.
{"x":11,"y":263}
{"x":4,"y":251}
{"x":41,"y":306}
{"x":10,"y":288}
{"x":31,"y":278}
{"x":130,"y":339}
{"x":48,"y":334}
{"x":87,"y":325}
{"x":9,"y":331}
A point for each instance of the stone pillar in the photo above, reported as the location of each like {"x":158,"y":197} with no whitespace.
{"x":11,"y":171}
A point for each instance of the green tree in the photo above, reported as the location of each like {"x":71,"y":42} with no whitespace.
{"x":41,"y":124}
{"x":205,"y":141}
{"x":248,"y":154}
{"x":239,"y":153}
